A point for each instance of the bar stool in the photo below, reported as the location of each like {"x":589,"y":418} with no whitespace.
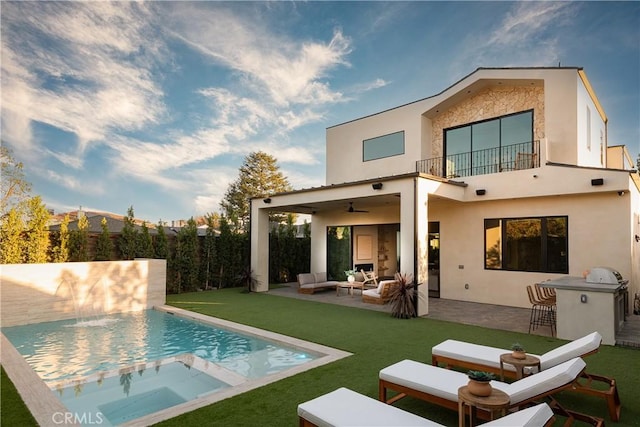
{"x":543,"y":312}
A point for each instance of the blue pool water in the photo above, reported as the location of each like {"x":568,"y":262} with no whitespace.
{"x":124,"y":366}
{"x":69,"y":349}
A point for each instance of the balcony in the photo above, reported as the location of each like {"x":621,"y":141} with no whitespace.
{"x":482,"y":162}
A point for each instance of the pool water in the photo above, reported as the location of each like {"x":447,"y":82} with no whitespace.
{"x":120,"y":367}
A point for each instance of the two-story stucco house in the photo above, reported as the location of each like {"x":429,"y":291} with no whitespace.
{"x":502,"y":180}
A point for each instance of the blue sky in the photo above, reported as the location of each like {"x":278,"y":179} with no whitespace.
{"x":156,"y":104}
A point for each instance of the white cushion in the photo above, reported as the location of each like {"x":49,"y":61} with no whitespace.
{"x":373,"y":293}
{"x":427,"y":378}
{"x":306,"y":278}
{"x":344,"y":407}
{"x":445,"y":383}
{"x":534,"y":416}
{"x":473,"y":353}
{"x":321,"y":277}
{"x":575,"y":348}
{"x":382,"y":284}
{"x":545,"y":380}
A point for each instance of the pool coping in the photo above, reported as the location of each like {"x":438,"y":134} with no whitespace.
{"x":43,"y":404}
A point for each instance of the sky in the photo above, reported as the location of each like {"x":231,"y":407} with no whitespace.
{"x":156,"y":105}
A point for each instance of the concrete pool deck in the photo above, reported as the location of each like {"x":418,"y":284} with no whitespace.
{"x":44,"y":405}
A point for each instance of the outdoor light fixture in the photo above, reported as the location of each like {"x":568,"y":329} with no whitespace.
{"x":481,"y":192}
{"x":267,"y":200}
{"x":377,"y":185}
{"x":597,"y":181}
{"x":637,"y":238}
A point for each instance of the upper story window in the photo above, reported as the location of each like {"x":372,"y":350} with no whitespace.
{"x":489,"y":146}
{"x":383,"y":146}
{"x":537,"y":244}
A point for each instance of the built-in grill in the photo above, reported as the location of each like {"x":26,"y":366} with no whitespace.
{"x":605,"y":275}
{"x":609,"y":276}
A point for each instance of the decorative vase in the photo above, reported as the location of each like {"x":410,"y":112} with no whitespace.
{"x":519,"y":354}
{"x":479,"y":388}
{"x":351,"y":278}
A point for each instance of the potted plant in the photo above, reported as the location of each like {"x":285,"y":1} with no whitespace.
{"x":480,"y":382}
{"x":517,"y":351}
{"x":351,"y":275}
{"x":402,"y":297}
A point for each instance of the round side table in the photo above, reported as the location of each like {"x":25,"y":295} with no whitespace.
{"x":497,"y":401}
{"x":519,"y":364}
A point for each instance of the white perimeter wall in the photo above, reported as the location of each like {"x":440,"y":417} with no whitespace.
{"x":34,"y":293}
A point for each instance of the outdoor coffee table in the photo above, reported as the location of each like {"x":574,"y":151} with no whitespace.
{"x":350,"y":286}
{"x":519,"y":364}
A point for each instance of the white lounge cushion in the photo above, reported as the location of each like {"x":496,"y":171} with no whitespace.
{"x":445,"y":383}
{"x":545,"y":380}
{"x":575,"y":348}
{"x":473,"y":353}
{"x":534,"y":416}
{"x":490,"y":356}
{"x":373,"y":293}
{"x":306,"y":278}
{"x":321,"y":277}
{"x":344,"y":407}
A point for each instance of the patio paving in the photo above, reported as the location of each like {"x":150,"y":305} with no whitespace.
{"x":470,"y":313}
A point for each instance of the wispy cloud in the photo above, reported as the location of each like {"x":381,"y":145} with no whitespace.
{"x":79,"y":67}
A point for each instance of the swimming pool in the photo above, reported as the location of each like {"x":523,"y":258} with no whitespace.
{"x":156,"y":364}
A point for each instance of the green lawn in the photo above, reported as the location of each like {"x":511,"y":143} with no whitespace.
{"x":376,"y":340}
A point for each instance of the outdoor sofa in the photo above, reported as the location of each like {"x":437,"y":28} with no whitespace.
{"x":460,"y":354}
{"x":308,"y":283}
{"x":346,"y":408}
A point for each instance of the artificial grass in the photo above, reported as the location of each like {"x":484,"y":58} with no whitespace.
{"x":376,"y":340}
{"x":13,"y":411}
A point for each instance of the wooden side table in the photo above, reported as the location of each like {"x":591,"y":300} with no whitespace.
{"x":349,"y":286}
{"x":497,"y":401}
{"x":519,"y":364}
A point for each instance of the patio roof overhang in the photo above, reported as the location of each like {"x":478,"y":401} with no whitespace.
{"x":337,"y":197}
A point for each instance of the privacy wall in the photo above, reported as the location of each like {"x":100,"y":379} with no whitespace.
{"x":33,"y":293}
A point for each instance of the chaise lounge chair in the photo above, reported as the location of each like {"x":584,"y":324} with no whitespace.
{"x":452,"y":353}
{"x":440,"y":386}
{"x":344,"y":407}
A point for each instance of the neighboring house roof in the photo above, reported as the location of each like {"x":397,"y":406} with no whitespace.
{"x":114,"y":225}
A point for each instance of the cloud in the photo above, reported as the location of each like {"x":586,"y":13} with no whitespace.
{"x":80,"y":67}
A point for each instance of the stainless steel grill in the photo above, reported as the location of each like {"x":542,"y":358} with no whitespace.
{"x":605,"y":276}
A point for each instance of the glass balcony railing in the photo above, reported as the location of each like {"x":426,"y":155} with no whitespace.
{"x":482,"y":162}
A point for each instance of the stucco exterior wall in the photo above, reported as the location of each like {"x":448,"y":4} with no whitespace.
{"x":34,"y":293}
{"x":488,"y":104}
{"x":591,"y":143}
{"x":345,"y":145}
{"x":462,"y":243}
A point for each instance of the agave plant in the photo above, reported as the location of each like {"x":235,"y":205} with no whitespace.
{"x":481,"y":376}
{"x":402,"y":297}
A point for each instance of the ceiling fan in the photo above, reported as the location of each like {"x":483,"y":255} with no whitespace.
{"x":351,"y":209}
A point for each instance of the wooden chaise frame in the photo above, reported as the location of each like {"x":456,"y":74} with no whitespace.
{"x":582,"y":385}
{"x":403,"y":391}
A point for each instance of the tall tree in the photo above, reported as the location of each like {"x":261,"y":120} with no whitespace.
{"x":11,"y":231}
{"x":104,"y":245}
{"x":61,"y":245}
{"x":144,"y":248}
{"x":187,"y":251}
{"x":259,"y":176}
{"x":37,"y":235}
{"x":79,"y":241}
{"x":128,"y":240}
{"x":161,"y":244}
{"x":15,"y":189}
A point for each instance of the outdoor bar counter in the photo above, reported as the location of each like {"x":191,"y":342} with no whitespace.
{"x":583,"y":307}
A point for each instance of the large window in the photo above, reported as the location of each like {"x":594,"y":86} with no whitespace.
{"x":383,"y":146}
{"x":527,"y":244}
{"x":480,"y":148}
